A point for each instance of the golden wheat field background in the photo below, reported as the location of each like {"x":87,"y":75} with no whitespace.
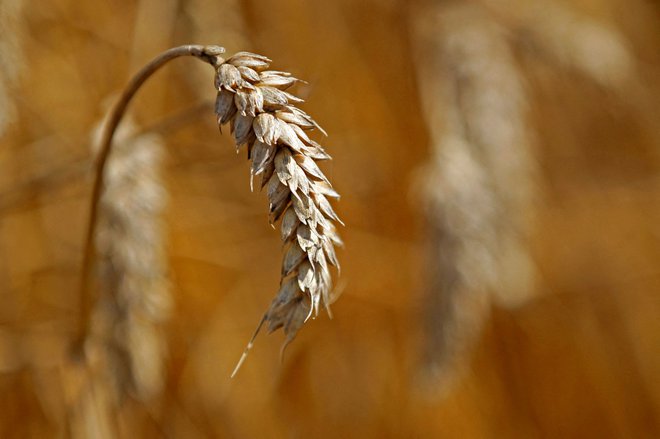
{"x":498,"y":165}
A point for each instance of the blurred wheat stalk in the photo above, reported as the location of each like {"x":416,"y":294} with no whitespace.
{"x":480,"y":185}
{"x":132,"y":262}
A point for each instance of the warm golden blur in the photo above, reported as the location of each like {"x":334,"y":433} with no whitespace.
{"x":498,"y":164}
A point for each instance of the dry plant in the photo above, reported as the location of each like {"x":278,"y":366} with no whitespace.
{"x":125,"y":344}
{"x":480,"y":185}
{"x":135,"y":297}
{"x":120,"y":335}
{"x":264,"y":119}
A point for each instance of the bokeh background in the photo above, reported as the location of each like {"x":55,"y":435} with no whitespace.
{"x":498,"y":163}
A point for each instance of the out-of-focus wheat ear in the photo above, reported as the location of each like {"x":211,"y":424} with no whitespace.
{"x":12,"y":63}
{"x":134,"y":299}
{"x":296,"y":188}
{"x":478,"y":186}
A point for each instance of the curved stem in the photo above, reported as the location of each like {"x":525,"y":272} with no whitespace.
{"x":209,"y":54}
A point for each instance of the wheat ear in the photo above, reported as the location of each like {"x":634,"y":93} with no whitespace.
{"x":480,"y":182}
{"x":264,"y":120}
{"x":131,"y":252}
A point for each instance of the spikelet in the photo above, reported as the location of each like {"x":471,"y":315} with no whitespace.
{"x":135,"y":297}
{"x":478,"y":188}
{"x":214,"y":20}
{"x":265,"y":121}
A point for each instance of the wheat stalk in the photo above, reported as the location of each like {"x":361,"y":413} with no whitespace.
{"x":131,"y":254}
{"x":479,"y":184}
{"x":263,"y":118}
{"x":125,"y":347}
